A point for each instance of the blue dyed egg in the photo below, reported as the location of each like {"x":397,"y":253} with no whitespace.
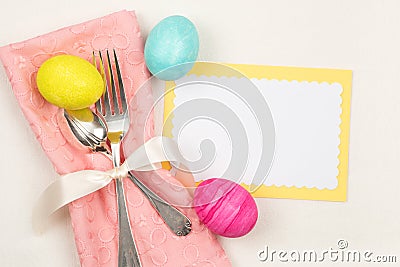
{"x":171,"y":48}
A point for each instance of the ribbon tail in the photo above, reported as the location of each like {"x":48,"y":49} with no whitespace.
{"x":149,"y":156}
{"x":64,"y":190}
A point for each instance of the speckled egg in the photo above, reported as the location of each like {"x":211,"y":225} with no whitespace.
{"x":69,"y":82}
{"x":171,"y":48}
{"x":225,"y":207}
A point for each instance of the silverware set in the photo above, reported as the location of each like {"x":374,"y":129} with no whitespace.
{"x":110,"y":123}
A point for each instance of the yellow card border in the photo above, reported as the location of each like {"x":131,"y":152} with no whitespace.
{"x":343,"y":77}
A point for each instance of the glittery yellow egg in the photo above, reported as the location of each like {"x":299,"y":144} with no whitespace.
{"x":69,"y":82}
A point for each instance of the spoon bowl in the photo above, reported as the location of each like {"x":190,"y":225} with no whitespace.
{"x":88,"y":127}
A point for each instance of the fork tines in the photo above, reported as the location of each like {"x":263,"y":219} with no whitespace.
{"x":113,"y":101}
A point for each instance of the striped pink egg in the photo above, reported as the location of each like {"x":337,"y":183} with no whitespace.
{"x":225,"y":207}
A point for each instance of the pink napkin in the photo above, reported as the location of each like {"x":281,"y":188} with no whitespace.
{"x":94,"y":217}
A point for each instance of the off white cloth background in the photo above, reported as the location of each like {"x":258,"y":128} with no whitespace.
{"x":361,"y":35}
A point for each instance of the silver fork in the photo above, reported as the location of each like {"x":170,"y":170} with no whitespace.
{"x":174,"y":219}
{"x":113,"y":107}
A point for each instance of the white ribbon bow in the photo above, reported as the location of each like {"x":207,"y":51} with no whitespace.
{"x":75,"y":185}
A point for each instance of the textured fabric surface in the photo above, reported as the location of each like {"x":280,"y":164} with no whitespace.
{"x":94,"y":217}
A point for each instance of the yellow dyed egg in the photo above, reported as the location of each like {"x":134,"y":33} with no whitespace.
{"x":69,"y":82}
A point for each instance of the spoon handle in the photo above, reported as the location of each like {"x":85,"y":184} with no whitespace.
{"x":175,"y":220}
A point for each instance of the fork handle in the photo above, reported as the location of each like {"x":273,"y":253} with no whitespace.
{"x":127,"y":252}
{"x":175,"y":220}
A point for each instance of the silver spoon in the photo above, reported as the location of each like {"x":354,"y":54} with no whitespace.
{"x":93,"y":134}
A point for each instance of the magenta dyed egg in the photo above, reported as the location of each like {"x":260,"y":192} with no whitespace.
{"x":225,"y":207}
